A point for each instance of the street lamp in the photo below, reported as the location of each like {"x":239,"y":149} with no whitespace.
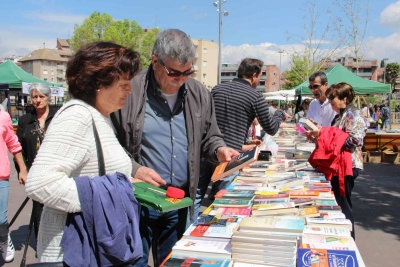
{"x":384,"y":63}
{"x":280,"y":68}
{"x":225,"y":13}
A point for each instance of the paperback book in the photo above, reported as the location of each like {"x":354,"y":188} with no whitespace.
{"x":237,"y":163}
{"x":316,"y":257}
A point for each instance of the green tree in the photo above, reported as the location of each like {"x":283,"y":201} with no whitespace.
{"x":102,"y":27}
{"x":392,"y":71}
{"x":92,"y":29}
{"x":301,"y":68}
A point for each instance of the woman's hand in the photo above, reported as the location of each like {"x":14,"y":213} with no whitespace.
{"x":22,"y":176}
{"x":313,"y":135}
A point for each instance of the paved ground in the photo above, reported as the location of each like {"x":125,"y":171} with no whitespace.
{"x":376,"y":200}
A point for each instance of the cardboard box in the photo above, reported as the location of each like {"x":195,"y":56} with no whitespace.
{"x":375,"y":157}
{"x":390,"y":157}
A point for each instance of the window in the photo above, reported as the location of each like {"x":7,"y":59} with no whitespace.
{"x":45,"y":63}
{"x":204,"y":50}
{"x":204,"y":63}
{"x":45,"y":79}
{"x":52,"y":79}
{"x":44,"y":71}
{"x":204,"y":75}
{"x":262,"y":83}
{"x":52,"y":72}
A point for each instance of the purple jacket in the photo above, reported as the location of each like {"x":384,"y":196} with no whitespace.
{"x":106,"y":232}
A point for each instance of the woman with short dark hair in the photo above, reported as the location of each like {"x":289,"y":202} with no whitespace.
{"x":351,"y":121}
{"x":99,"y":77}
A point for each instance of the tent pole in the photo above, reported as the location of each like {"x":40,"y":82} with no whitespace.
{"x":390,"y":113}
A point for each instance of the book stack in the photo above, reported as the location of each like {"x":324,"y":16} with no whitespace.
{"x":213,"y":228}
{"x":270,"y":241}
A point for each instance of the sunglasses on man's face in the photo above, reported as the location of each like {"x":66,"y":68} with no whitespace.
{"x":175,"y":73}
{"x":314,"y":86}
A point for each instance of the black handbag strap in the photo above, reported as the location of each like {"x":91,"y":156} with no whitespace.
{"x":100,"y":156}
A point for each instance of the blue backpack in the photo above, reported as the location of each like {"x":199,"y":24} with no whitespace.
{"x":385,"y":112}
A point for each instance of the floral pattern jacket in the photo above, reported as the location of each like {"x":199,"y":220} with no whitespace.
{"x":355,"y":124}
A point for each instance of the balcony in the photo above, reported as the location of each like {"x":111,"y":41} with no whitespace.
{"x":364,"y":74}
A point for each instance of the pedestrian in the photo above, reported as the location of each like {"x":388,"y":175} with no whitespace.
{"x":98,"y":77}
{"x":167,"y":124}
{"x":320,"y":110}
{"x":237,"y":104}
{"x":31,"y":131}
{"x":352,"y":122}
{"x":8,"y":142}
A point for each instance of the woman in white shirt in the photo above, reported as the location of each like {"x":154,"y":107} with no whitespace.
{"x":99,"y":77}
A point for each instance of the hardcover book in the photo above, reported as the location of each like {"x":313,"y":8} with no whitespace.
{"x":155,"y":198}
{"x":316,"y":257}
{"x":238,"y":162}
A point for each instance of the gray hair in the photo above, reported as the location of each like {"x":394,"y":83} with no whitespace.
{"x":40,"y":87}
{"x":174,"y":44}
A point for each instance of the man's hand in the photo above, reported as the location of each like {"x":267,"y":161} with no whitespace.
{"x":225,"y":153}
{"x":22,"y":176}
{"x":149,"y":176}
{"x":287,"y":117}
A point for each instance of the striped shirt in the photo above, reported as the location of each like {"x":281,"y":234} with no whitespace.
{"x":236,"y":106}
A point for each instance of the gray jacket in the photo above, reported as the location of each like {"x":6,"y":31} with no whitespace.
{"x":203,"y":133}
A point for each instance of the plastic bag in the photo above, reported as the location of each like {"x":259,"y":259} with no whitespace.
{"x":269,"y":144}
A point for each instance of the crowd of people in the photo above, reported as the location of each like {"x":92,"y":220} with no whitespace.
{"x":160,"y":126}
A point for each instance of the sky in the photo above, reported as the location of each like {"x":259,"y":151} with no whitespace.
{"x":253,"y":28}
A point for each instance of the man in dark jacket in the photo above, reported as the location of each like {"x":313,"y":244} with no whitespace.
{"x":167,"y":124}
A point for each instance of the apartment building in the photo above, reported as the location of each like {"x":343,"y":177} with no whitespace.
{"x":206,"y":62}
{"x":367,"y":68}
{"x":269,"y":81}
{"x":48,"y":64}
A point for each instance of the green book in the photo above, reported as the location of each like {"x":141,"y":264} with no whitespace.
{"x":154,"y":198}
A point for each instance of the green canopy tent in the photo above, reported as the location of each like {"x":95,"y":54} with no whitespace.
{"x":13,"y":75}
{"x":338,"y":73}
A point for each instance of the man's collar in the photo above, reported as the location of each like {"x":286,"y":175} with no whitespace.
{"x":242,"y":81}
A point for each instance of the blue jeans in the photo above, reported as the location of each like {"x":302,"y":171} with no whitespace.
{"x":160,"y":231}
{"x":4,"y":189}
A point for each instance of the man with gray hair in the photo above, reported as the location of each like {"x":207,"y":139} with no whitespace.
{"x":167,"y":123}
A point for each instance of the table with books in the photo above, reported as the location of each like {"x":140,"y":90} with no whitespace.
{"x":277,"y":213}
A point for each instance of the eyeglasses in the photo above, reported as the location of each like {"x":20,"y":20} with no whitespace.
{"x":176,"y":73}
{"x":314,"y":86}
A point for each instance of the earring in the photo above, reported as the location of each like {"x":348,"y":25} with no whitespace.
{"x":98,"y":90}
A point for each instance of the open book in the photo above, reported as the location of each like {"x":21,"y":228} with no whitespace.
{"x":237,"y":163}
